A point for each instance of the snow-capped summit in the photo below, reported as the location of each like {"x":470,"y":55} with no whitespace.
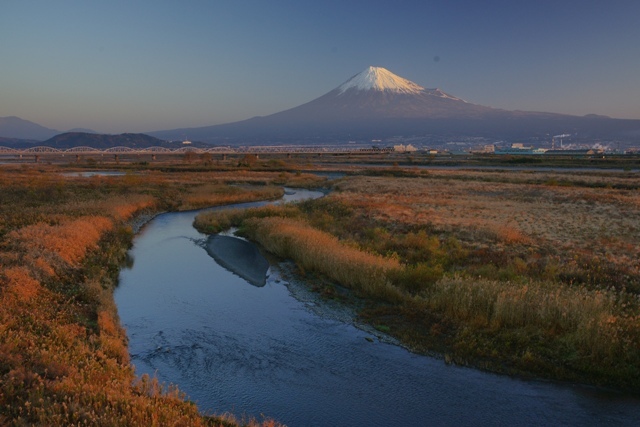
{"x":378,"y":78}
{"x":381,"y":79}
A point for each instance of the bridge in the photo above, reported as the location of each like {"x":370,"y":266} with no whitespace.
{"x":256,"y":149}
{"x":52,"y":154}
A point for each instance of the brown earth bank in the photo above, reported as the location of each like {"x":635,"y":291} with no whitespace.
{"x":63,"y":354}
{"x":532,"y":273}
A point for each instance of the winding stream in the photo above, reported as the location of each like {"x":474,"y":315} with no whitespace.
{"x":232,"y":346}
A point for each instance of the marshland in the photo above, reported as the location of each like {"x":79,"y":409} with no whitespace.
{"x":532,"y":274}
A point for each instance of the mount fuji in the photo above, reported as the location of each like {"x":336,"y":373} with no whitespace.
{"x":377,"y":104}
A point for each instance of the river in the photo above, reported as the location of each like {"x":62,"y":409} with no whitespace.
{"x":231,"y":346}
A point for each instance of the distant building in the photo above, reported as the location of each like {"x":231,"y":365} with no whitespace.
{"x":401,"y":148}
{"x":483,"y":149}
{"x":186,"y":142}
{"x":518,"y":148}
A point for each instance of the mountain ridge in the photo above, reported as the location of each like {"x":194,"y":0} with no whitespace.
{"x":17,"y":128}
{"x":102,"y":141}
{"x":377,"y":104}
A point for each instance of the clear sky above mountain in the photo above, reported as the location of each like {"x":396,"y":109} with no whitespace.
{"x":135,"y":66}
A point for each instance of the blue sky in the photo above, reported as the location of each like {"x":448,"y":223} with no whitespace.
{"x":134,"y":66}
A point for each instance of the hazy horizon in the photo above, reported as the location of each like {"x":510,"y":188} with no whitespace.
{"x":138,"y":67}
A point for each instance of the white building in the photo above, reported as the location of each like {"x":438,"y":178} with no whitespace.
{"x":401,"y":148}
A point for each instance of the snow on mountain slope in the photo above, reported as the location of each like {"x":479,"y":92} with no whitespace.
{"x":378,"y":78}
{"x":381,"y":79}
{"x":441,"y":94}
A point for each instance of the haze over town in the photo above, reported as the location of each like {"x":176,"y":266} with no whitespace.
{"x":121,"y":67}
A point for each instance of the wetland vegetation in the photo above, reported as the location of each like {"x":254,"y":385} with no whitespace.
{"x":63,"y":354}
{"x":514,"y":271}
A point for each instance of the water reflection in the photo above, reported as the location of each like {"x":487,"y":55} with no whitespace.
{"x":89,"y":174}
{"x":240,"y":257}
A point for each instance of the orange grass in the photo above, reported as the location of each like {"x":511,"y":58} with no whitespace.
{"x":220,"y":194}
{"x":567,"y":220}
{"x":63,"y":354}
{"x":68,"y":242}
{"x":315,"y":250}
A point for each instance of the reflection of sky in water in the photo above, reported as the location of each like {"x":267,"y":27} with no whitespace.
{"x":89,"y":174}
{"x":235,"y":347}
{"x":295,"y":195}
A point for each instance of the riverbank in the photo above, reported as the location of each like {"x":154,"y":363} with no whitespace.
{"x":63,"y":240}
{"x":509,"y":272}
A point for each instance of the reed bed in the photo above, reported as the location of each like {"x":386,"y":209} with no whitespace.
{"x":597,"y":326}
{"x":221,"y":194}
{"x":63,"y":354}
{"x":217,"y":221}
{"x":315,"y":250}
{"x":498,"y":270}
{"x":596,"y":323}
{"x":592,"y":231}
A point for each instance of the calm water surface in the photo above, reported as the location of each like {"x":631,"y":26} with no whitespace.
{"x":89,"y":174}
{"x":253,"y":350}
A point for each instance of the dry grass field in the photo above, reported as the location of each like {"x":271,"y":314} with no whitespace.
{"x":521,"y":272}
{"x":63,"y":355}
{"x":568,"y":223}
{"x":518,"y":272}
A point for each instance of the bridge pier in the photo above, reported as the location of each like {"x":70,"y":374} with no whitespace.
{"x":77,"y":158}
{"x":153,"y":157}
{"x":37,"y":158}
{"x":224,"y":157}
{"x":115,"y":157}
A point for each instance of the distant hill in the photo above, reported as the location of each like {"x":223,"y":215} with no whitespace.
{"x":377,"y":104}
{"x":15,"y":127}
{"x":78,"y":139}
{"x":17,"y":142}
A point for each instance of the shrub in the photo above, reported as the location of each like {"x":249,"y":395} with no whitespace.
{"x":416,"y":278}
